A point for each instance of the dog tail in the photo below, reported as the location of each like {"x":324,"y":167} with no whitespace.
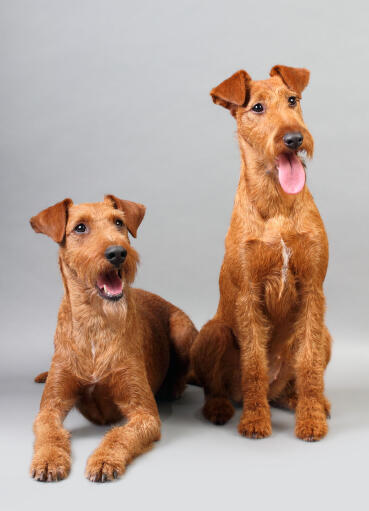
{"x":41,"y":378}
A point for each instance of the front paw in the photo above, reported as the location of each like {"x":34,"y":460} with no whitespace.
{"x":104,"y":466}
{"x":255,"y":424}
{"x":311,"y":429}
{"x":50,"y":464}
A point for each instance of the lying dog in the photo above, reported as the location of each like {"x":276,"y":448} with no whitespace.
{"x":268,"y":340}
{"x":115,"y":347}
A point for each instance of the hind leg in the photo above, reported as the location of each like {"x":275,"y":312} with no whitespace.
{"x":182,"y":334}
{"x":216,"y":365}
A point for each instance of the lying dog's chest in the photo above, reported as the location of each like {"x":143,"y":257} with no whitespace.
{"x":94,"y":358}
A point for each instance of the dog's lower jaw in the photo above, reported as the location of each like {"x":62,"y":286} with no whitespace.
{"x":108,"y":297}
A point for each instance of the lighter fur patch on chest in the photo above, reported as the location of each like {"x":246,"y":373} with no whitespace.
{"x":93,"y":350}
{"x":286,"y":254}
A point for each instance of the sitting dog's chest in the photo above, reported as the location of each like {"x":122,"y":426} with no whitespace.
{"x":279,"y":261}
{"x":278,"y":278}
{"x":280,"y":250}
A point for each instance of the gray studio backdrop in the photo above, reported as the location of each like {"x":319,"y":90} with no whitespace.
{"x":113,"y":97}
{"x":103,"y":96}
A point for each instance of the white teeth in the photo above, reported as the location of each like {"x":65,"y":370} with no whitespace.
{"x":105,"y":290}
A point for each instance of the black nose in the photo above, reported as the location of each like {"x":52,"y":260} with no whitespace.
{"x":115,"y":254}
{"x":293,"y":140}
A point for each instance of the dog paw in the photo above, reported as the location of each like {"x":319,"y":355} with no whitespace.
{"x":218,"y":410}
{"x":50,"y":464}
{"x":252,"y":425}
{"x":102,"y":468}
{"x":311,"y":429}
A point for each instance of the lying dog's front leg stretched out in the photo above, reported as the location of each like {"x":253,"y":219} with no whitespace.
{"x":121,"y":444}
{"x":51,"y":459}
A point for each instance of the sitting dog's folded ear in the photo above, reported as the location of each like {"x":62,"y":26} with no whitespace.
{"x":133,"y":212}
{"x":53,"y":220}
{"x":233,"y":92}
{"x":296,"y":78}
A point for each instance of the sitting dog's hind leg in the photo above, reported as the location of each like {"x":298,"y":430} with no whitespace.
{"x":215,"y":358}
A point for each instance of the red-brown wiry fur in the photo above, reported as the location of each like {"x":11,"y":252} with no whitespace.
{"x":110,"y":357}
{"x":267,"y":340}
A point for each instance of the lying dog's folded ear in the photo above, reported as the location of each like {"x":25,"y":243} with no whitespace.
{"x":53,"y":220}
{"x":133,"y":212}
{"x":233,"y":92}
{"x":296,"y":78}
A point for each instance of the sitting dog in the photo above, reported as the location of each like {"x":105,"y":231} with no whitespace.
{"x":115,"y":347}
{"x":268,"y":341}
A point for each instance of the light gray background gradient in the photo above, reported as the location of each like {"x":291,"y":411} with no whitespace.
{"x":113,"y":97}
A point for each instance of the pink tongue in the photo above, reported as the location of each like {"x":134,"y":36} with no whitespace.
{"x":291,"y":173}
{"x":111,"y":281}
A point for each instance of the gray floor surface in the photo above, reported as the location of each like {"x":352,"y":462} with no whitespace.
{"x":200,"y":466}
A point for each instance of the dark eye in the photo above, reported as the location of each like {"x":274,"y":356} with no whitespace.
{"x":292,"y":100}
{"x":80,"y":228}
{"x":258,"y":108}
{"x":118,"y":222}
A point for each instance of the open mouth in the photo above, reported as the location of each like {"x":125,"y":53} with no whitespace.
{"x":110,"y":285}
{"x":291,"y":172}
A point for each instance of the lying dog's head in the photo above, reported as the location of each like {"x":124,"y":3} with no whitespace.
{"x":94,"y":244}
{"x":269,"y":120}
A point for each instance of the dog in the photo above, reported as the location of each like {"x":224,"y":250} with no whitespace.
{"x":268,"y":342}
{"x":115,"y":346}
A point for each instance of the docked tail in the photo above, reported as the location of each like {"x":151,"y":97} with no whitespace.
{"x":41,"y":378}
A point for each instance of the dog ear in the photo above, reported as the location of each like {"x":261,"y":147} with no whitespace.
{"x":296,"y":78}
{"x":233,"y":92}
{"x":53,"y":220}
{"x":133,"y":212}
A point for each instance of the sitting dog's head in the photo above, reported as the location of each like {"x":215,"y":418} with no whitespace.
{"x":94,"y":245}
{"x":270,"y":122}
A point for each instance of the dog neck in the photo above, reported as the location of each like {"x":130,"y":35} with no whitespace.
{"x":259,"y":186}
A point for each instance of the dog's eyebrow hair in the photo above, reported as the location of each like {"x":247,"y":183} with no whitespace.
{"x":117,"y":214}
{"x":83,"y":218}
